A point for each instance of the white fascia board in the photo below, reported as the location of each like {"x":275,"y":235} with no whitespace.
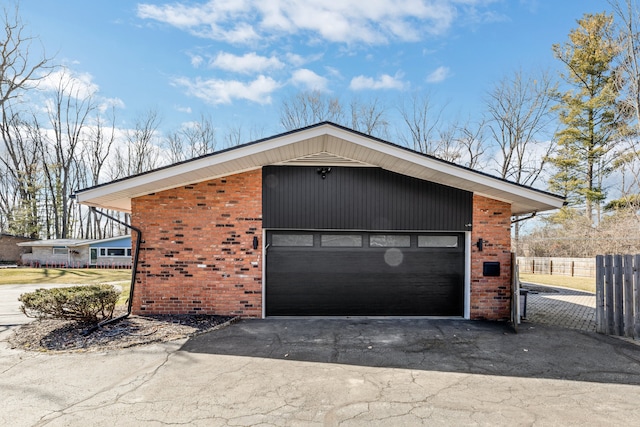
{"x":109,"y":239}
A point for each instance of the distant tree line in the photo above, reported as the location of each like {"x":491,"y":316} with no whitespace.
{"x":575,"y":134}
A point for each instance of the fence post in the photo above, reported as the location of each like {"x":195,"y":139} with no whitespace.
{"x":636,"y":291}
{"x":550,"y":267}
{"x":628,"y":296}
{"x":600,"y":321}
{"x":618,"y":296}
{"x":533,"y":266}
{"x":608,"y":293}
{"x":573,"y":267}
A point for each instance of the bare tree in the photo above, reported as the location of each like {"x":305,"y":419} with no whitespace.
{"x":520,"y":116}
{"x":18,"y":68}
{"x":422,"y":120}
{"x":628,"y":81}
{"x":68,"y":112}
{"x":21,"y":174}
{"x":471,"y":139}
{"x":369,"y":118}
{"x":141,"y":152}
{"x":96,"y":151}
{"x":237,"y":134}
{"x":194,"y":139}
{"x":308,"y":108}
{"x":628,"y":71}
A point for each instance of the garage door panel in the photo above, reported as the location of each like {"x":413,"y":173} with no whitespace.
{"x":357,"y":295}
{"x":365,"y":281}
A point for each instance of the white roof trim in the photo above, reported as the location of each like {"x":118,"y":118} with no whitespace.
{"x":327,"y":145}
{"x":70,"y":243}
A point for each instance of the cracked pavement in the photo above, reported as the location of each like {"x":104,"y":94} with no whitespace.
{"x":288,"y":372}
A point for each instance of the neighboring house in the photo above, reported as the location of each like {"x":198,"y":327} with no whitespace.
{"x":322,"y":221}
{"x":9,"y":251}
{"x":111,"y":252}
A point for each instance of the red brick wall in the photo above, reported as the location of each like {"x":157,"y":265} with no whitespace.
{"x":491,"y":296}
{"x":197,"y":253}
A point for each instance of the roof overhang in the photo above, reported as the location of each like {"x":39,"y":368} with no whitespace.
{"x":324,"y":144}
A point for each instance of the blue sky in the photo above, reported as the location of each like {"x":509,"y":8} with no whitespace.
{"x":236,"y":59}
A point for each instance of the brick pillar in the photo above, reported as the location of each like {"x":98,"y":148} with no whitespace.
{"x":491,"y":296}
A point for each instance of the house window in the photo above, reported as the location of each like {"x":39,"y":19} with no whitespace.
{"x":115,"y":252}
{"x":389,"y":241}
{"x":60,"y":250}
{"x":292,"y":240}
{"x":341,"y":240}
{"x":437,"y":241}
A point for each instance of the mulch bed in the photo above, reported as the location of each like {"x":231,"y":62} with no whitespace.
{"x":63,"y":335}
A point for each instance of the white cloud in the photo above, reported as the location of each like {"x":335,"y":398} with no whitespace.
{"x":216,"y":91}
{"x":182,"y":109}
{"x":438,"y":75}
{"x":345,"y":21}
{"x":309,"y":79}
{"x":196,"y":60}
{"x":108,"y":103}
{"x":333,"y":71}
{"x":248,"y":63}
{"x":76,"y":85}
{"x":298,"y":60}
{"x":383,"y":82}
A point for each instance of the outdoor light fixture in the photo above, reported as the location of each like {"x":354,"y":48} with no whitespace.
{"x":323,"y":172}
{"x":255,"y":242}
{"x":479,"y":244}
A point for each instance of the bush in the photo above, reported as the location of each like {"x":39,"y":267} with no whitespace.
{"x":83,"y":303}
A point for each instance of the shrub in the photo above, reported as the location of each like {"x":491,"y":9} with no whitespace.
{"x":83,"y":303}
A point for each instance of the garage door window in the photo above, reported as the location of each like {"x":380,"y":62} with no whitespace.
{"x":292,"y":240}
{"x":341,"y":240}
{"x":389,"y":241}
{"x":437,"y":241}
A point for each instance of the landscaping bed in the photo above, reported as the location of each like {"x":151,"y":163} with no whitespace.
{"x":63,"y":335}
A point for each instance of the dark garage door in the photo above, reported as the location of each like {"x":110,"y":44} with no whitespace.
{"x":364,"y":274}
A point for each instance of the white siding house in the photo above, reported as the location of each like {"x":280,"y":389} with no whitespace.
{"x":114,"y":252}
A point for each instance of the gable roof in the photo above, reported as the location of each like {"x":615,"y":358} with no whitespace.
{"x":323,"y":144}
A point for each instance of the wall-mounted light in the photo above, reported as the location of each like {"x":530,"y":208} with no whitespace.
{"x":479,"y":244}
{"x":255,"y":242}
{"x":323,"y":172}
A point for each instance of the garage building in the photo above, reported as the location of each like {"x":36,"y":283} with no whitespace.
{"x":322,"y":221}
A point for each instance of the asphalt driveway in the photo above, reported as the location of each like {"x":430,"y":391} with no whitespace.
{"x":347,"y":372}
{"x":470,"y":347}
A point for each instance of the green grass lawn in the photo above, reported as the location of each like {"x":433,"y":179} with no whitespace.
{"x":70,"y":276}
{"x":79,"y":276}
{"x":580,"y":283}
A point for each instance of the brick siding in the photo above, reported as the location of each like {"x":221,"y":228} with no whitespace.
{"x":491,"y":296}
{"x":197,"y":254}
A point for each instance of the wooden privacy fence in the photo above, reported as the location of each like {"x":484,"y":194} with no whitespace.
{"x":579,"y":267}
{"x":618,"y":295}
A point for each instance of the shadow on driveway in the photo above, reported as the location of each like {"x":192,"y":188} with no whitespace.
{"x":476,"y":347}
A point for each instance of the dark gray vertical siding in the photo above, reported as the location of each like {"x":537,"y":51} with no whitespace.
{"x":296,"y":197}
